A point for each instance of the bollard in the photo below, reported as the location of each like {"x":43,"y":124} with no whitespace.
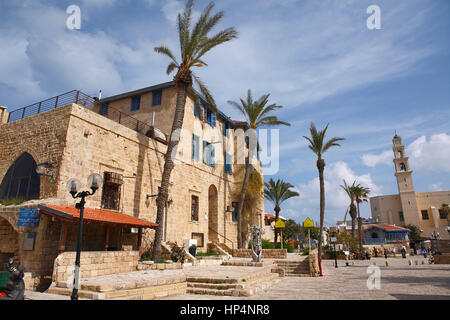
{"x":423,"y":262}
{"x":417,"y":262}
{"x":409,"y":262}
{"x":387,"y":264}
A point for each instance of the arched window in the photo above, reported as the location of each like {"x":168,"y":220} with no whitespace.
{"x":402,"y":167}
{"x":374,"y":235}
{"x":21,"y":180}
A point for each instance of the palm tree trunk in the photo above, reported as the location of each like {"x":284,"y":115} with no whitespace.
{"x":241,"y":202}
{"x":353,"y":228}
{"x":163,"y":193}
{"x":321,"y":167}
{"x":359,"y":229}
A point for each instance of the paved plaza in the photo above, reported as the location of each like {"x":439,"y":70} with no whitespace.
{"x":398,"y":281}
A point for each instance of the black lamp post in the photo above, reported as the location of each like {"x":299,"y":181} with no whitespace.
{"x":333,"y":238}
{"x":73,"y":185}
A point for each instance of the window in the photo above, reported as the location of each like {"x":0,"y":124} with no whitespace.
{"x":234,"y":215}
{"x":195,"y":147}
{"x":402,"y":167}
{"x":442,"y":214}
{"x":194,"y":208}
{"x":21,"y":180}
{"x":199,"y":237}
{"x":425,"y":215}
{"x":226,"y":126}
{"x":402,"y":218}
{"x":135,"y":103}
{"x":228,"y":160}
{"x":196,"y":108}
{"x":156,"y":97}
{"x":210,"y":117}
{"x":208,"y":154}
{"x":104,"y":109}
{"x":111,"y":190}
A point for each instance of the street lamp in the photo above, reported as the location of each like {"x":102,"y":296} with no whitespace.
{"x":333,"y":239}
{"x":73,"y":186}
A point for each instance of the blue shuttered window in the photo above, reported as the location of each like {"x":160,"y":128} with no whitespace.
{"x":208,"y":154}
{"x":104,"y":109}
{"x":195,"y":147}
{"x":156,"y":98}
{"x":196,"y":108}
{"x":228,"y":163}
{"x":226,"y":126}
{"x":234,"y":215}
{"x":210,"y":117}
{"x":135,"y":103}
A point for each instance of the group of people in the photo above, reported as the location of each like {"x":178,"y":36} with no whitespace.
{"x":375,"y":252}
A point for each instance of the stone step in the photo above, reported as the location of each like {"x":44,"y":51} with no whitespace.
{"x":127,"y":294}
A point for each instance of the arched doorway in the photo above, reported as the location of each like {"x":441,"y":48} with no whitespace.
{"x":213,"y":216}
{"x":21,"y":180}
{"x":9,"y":242}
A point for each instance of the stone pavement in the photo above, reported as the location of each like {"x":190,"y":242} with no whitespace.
{"x":398,"y":281}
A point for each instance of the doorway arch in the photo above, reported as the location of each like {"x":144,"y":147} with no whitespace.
{"x":213,"y":215}
{"x":21,"y":181}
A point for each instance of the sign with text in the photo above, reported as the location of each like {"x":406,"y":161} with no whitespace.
{"x":29,"y":217}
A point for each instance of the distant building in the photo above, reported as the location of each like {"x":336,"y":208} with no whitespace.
{"x":269,"y":226}
{"x":422,"y":209}
{"x":381,"y":234}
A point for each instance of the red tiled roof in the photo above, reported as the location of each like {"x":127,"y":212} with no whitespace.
{"x":387,"y":227}
{"x":274,"y":217}
{"x":95,"y":215}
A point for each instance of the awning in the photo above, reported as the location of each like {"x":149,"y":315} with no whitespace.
{"x":71,"y":214}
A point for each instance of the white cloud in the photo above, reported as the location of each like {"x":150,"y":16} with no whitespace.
{"x":430,"y":155}
{"x":99,"y":3}
{"x":373,"y":160}
{"x":424,"y":155}
{"x":337,"y":201}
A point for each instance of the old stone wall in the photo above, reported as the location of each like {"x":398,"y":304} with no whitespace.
{"x":94,"y":264}
{"x":313,"y":260}
{"x":267,"y":253}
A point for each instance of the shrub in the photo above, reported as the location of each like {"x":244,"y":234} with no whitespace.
{"x":146,"y":256}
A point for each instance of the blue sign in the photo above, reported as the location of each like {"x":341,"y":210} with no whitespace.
{"x":29,"y":217}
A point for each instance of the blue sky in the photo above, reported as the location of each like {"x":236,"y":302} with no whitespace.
{"x":317,"y":58}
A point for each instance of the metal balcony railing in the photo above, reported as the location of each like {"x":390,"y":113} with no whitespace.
{"x":74,"y":96}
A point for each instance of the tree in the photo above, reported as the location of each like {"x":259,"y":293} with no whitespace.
{"x":194,"y":44}
{"x":257,"y":115}
{"x":292,"y":230}
{"x":414,"y":235}
{"x":352,"y":208}
{"x":445,"y":209}
{"x":361,"y":195}
{"x":318,"y":145}
{"x":278,"y":192}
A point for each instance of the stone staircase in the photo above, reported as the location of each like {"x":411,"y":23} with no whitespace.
{"x":292,"y":268}
{"x":224,"y":247}
{"x":247,"y":286}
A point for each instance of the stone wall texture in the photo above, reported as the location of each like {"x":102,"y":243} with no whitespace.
{"x":94,"y":264}
{"x":267,"y":253}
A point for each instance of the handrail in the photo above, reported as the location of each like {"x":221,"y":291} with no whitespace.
{"x":73,"y":96}
{"x":232,"y":243}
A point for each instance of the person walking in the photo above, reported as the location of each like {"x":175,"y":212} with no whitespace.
{"x":403,"y":251}
{"x":385,"y":253}
{"x":425,"y":252}
{"x":375,"y":251}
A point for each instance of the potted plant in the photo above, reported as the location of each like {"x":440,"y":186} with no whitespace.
{"x":193,"y":250}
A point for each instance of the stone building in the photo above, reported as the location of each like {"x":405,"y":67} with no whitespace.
{"x":124,"y":139}
{"x":408,"y":207}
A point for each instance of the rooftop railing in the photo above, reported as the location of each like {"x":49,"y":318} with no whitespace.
{"x":74,"y":96}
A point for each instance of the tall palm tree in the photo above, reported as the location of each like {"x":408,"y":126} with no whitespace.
{"x":194,"y":43}
{"x":352,"y":208}
{"x":361,"y":195}
{"x":257,"y":115}
{"x":318,"y":145}
{"x":278,"y":192}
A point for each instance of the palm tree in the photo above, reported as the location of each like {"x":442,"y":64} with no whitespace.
{"x":194,"y":43}
{"x":352,"y":208}
{"x":361,"y":195}
{"x":278,"y":192}
{"x":318,"y":145}
{"x":257,"y":115}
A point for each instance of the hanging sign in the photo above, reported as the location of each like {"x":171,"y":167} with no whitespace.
{"x":29,"y":217}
